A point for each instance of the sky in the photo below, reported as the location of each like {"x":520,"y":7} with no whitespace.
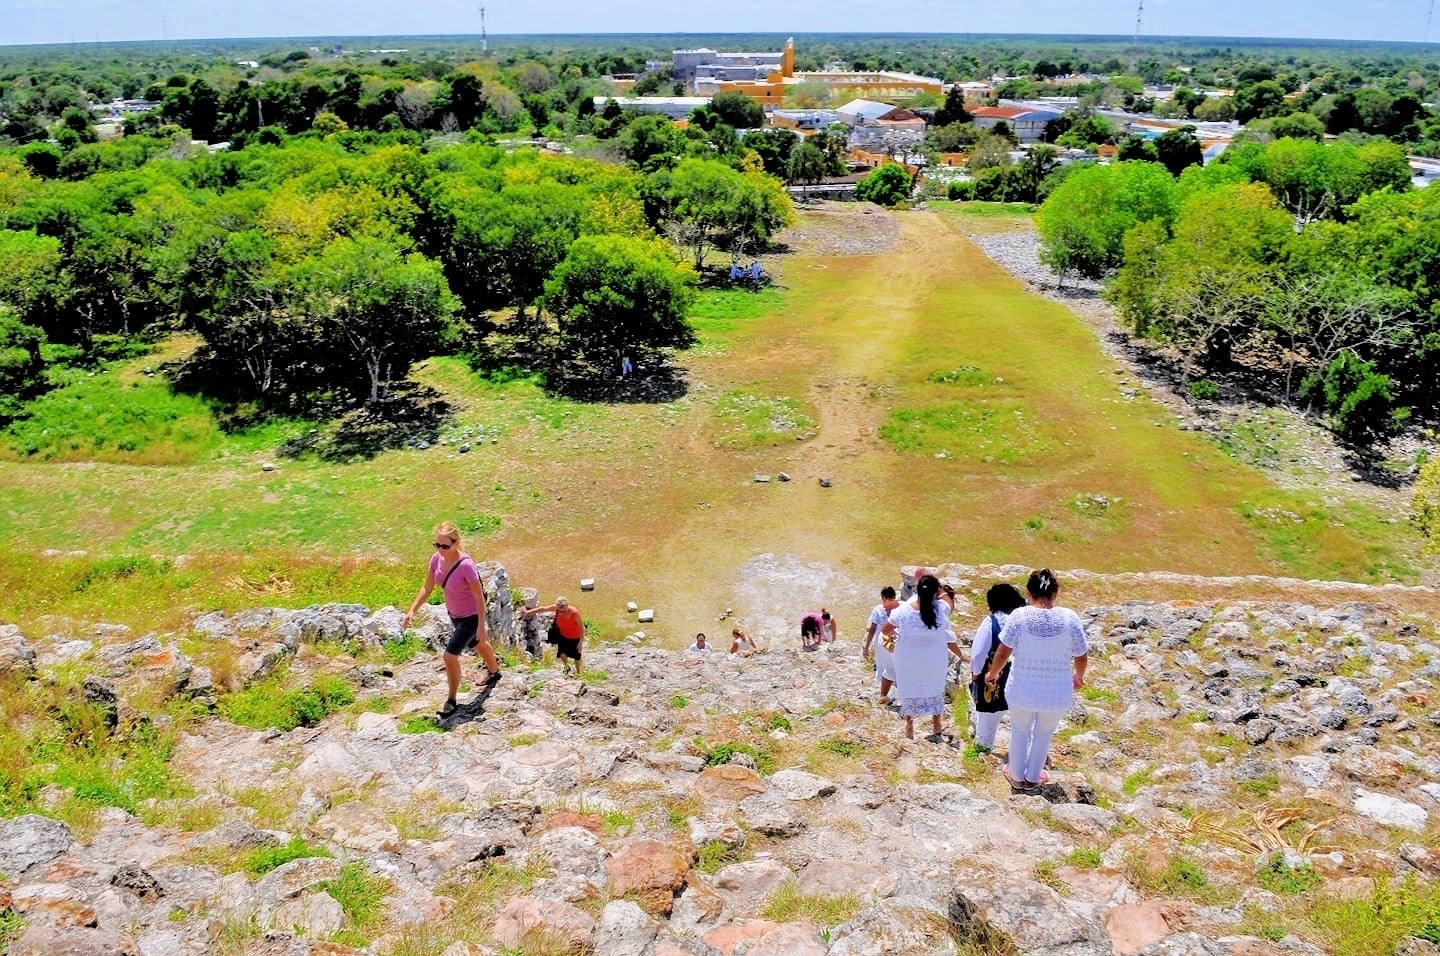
{"x":65,"y":21}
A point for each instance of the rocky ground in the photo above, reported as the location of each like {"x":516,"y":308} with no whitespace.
{"x":1231,"y":765}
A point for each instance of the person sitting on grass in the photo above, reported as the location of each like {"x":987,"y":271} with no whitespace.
{"x":572,"y":631}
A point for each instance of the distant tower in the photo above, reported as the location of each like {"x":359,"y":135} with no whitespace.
{"x":787,"y":59}
{"x":1429,"y":14}
{"x":1139,"y":16}
{"x":484,"y":40}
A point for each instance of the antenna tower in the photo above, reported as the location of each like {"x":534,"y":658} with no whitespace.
{"x":484,"y":40}
{"x":1139,"y":16}
{"x":1429,"y":14}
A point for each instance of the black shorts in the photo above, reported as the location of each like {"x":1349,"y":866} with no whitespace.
{"x":465,"y":630}
{"x":565,"y":647}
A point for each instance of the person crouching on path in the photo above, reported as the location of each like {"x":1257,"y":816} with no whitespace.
{"x":455,"y":573}
{"x":874,"y":646}
{"x":989,"y":699}
{"x":923,"y":645}
{"x":1050,"y":651}
{"x":572,"y":631}
{"x":812,"y":631}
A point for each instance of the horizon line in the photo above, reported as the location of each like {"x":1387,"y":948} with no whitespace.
{"x":492,"y":37}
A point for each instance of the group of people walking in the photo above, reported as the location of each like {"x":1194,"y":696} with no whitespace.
{"x":1028,"y":657}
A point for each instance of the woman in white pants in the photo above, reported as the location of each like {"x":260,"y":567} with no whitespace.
{"x":989,"y":699}
{"x":1050,"y":651}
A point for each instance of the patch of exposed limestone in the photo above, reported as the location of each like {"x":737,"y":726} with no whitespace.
{"x":1225,"y":732}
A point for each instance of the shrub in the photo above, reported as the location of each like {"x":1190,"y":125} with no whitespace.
{"x":267,"y":858}
{"x":1357,"y":397}
{"x":265,"y":705}
{"x":887,"y":186}
{"x":1280,"y":877}
{"x":1203,"y":388}
{"x":402,"y":650}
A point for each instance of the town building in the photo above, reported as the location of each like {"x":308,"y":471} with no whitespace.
{"x":1026,"y":123}
{"x":706,"y":73}
{"x":672,"y":107}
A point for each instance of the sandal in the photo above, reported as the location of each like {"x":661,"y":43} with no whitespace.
{"x":1020,"y":786}
{"x":492,"y":679}
{"x":449,"y":708}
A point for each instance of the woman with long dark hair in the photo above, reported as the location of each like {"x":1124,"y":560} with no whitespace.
{"x":989,"y":699}
{"x":923,"y":645}
{"x":1050,"y":652}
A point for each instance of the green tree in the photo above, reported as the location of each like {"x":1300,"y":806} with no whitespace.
{"x":887,"y":185}
{"x":705,"y":204}
{"x":1082,"y":224}
{"x":1178,"y":148}
{"x":651,"y":142}
{"x":954,"y":110}
{"x":1260,"y":100}
{"x":737,"y":111}
{"x":381,"y":307}
{"x":807,"y":165}
{"x":619,"y":295}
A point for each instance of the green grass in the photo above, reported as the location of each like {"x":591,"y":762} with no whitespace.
{"x":841,"y":747}
{"x":1135,"y":780}
{"x":990,"y":432}
{"x":12,"y":924}
{"x":402,"y":650}
{"x":717,"y":312}
{"x":788,"y":905}
{"x":718,"y":754}
{"x":419,"y":724}
{"x":1083,"y":858}
{"x":970,"y":375}
{"x":679,"y":701}
{"x":747,"y":420}
{"x":1280,"y":877}
{"x":269,"y":703}
{"x":1098,"y":694}
{"x":1363,"y":926}
{"x":1262,"y":786}
{"x":267,"y":858}
{"x":119,"y":414}
{"x":361,"y":894}
{"x":715,"y":855}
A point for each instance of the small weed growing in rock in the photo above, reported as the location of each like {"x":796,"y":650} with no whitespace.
{"x":361,"y":894}
{"x":1262,"y":786}
{"x":789,"y":904}
{"x":265,"y":859}
{"x":1083,"y":858}
{"x":1134,"y":781}
{"x":1098,"y":694}
{"x":722,"y":754}
{"x":523,"y":740}
{"x":616,"y":822}
{"x":535,"y":689}
{"x":841,"y":748}
{"x":235,"y":937}
{"x":419,"y":724}
{"x":402,"y":650}
{"x":679,"y":701}
{"x":12,"y":924}
{"x":715,"y":855}
{"x":1280,"y":877}
{"x":594,"y":677}
{"x":779,"y":721}
{"x":1046,"y":872}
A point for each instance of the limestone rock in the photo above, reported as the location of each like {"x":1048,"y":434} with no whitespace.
{"x":316,"y":915}
{"x":748,"y":886}
{"x":527,"y":922}
{"x":728,"y":782}
{"x":625,"y":930}
{"x":53,"y":941}
{"x":900,"y":926}
{"x":650,"y":872}
{"x":765,"y":814}
{"x":1389,"y":811}
{"x":16,"y":654}
{"x":800,"y":785}
{"x":867,"y":881}
{"x":31,"y":841}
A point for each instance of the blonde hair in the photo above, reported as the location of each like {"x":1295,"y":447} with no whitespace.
{"x":448,"y":529}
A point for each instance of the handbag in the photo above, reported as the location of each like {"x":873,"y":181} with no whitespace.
{"x":990,"y":698}
{"x":552,"y":636}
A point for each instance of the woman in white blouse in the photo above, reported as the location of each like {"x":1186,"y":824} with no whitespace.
{"x":1049,"y":648}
